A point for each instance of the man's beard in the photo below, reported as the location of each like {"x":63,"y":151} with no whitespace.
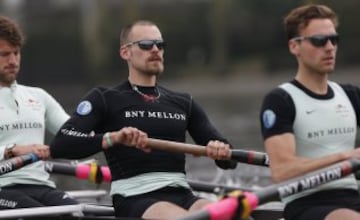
{"x":7,"y":79}
{"x":152,"y":71}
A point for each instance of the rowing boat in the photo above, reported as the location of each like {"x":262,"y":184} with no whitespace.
{"x":97,"y":174}
{"x":83,"y":211}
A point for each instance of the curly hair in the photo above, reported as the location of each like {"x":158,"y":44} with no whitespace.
{"x":10,"y":32}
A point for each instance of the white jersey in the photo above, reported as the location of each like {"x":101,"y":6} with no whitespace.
{"x":323,"y":127}
{"x":25,"y":113}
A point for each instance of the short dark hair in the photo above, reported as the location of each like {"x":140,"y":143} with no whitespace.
{"x":124,"y":35}
{"x":10,"y":32}
{"x":300,"y":17}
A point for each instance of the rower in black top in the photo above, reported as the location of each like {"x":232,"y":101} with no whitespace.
{"x":148,"y":184}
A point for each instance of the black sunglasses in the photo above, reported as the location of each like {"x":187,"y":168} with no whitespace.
{"x":320,"y":40}
{"x":148,"y":44}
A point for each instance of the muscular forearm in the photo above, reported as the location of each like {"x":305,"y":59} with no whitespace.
{"x":300,"y":166}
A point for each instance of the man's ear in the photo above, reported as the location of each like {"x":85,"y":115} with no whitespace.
{"x":124,"y":53}
{"x":293,"y":47}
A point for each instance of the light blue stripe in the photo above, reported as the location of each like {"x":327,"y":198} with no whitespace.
{"x":147,"y":182}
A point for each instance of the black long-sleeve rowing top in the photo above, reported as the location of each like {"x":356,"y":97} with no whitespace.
{"x":110,"y":109}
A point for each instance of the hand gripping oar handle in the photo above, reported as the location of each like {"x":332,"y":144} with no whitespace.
{"x":243,"y":156}
{"x":15,"y":163}
{"x":229,"y":207}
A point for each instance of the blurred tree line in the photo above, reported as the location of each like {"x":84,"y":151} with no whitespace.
{"x":78,"y":41}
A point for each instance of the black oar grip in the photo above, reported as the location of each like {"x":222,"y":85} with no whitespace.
{"x":15,"y":163}
{"x":250,"y":157}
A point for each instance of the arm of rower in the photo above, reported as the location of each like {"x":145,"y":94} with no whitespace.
{"x":284,"y":164}
{"x":202,"y":131}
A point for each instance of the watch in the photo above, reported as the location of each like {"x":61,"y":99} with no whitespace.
{"x":9,"y":151}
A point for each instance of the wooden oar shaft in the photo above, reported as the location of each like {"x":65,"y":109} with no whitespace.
{"x":176,"y":147}
{"x":243,"y":156}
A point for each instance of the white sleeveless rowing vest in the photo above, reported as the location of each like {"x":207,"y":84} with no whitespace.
{"x":25,"y":113}
{"x":323,"y":127}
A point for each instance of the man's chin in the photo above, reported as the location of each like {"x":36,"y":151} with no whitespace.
{"x":330,"y":70}
{"x":326,"y":69}
{"x":155,"y":72}
{"x":11,"y":78}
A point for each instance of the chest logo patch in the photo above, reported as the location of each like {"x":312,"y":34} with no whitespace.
{"x":268,"y":118}
{"x":84,"y":108}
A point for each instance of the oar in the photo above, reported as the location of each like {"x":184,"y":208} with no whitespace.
{"x":243,"y":156}
{"x":92,"y":172}
{"x":15,"y":163}
{"x":244,"y":203}
{"x":217,"y":189}
{"x":98,"y":174}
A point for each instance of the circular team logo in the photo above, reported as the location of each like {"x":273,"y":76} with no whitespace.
{"x":268,"y":118}
{"x":84,"y":108}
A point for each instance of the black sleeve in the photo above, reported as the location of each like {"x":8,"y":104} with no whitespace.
{"x":353,"y":92}
{"x":76,"y":138}
{"x":277,"y":113}
{"x":202,"y":131}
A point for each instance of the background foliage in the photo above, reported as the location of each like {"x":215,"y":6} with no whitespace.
{"x":77,"y":41}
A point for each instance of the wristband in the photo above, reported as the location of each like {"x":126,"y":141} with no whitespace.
{"x":108,"y":140}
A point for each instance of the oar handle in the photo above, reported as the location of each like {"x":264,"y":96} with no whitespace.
{"x":250,"y":157}
{"x":15,"y":163}
{"x":243,"y":156}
